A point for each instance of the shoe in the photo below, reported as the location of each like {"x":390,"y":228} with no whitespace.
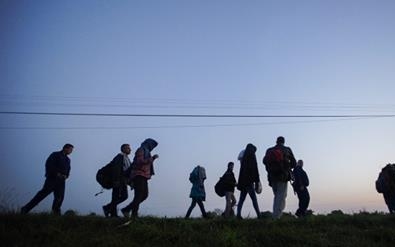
{"x":125,"y":213}
{"x":23,"y":210}
{"x":106,"y":212}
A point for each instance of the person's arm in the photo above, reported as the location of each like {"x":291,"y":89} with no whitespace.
{"x":68,"y":168}
{"x":50,"y":165}
{"x":116,"y":170}
{"x":292,"y":159}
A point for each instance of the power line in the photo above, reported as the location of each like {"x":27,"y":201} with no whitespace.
{"x":193,"y":115}
{"x":178,"y":126}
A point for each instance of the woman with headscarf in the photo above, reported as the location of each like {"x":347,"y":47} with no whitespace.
{"x":141,"y":171}
{"x":248,"y":177}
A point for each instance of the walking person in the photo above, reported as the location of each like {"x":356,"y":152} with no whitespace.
{"x":300,"y":187}
{"x":198,"y":193}
{"x":229,"y":184}
{"x":57,"y":170}
{"x":120,"y":171}
{"x":141,"y":171}
{"x":279,"y":162}
{"x":248,"y":177}
{"x":385,"y":184}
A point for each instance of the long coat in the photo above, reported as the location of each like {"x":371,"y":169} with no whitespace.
{"x":197,"y":177}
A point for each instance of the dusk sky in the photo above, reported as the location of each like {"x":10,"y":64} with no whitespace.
{"x":198,"y":57}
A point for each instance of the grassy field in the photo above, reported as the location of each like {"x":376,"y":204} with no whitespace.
{"x":337,"y":229}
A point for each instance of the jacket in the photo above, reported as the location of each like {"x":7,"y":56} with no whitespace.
{"x":118,"y":175}
{"x":57,"y":164}
{"x":301,"y":179}
{"x":197,"y":177}
{"x":143,"y":163}
{"x":229,"y":181}
{"x":249,"y":173}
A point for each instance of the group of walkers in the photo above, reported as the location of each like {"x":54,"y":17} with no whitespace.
{"x":279,"y":161}
{"x":122,"y":172}
{"x":281,"y":168}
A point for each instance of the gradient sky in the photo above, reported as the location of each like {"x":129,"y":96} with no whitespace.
{"x":198,"y":57}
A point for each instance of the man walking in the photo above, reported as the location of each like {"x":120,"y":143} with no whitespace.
{"x":120,"y":170}
{"x":57,"y":170}
{"x":279,"y":160}
{"x":300,"y":188}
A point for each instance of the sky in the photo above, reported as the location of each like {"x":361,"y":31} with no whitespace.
{"x":310,"y":58}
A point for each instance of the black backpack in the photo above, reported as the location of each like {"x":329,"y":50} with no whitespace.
{"x":219,"y":187}
{"x":386,"y":180}
{"x":103,"y":176}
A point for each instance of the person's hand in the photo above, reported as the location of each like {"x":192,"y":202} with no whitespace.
{"x":155,"y":156}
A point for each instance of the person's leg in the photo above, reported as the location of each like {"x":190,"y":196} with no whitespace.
{"x":123,"y":194}
{"x":228,"y":205}
{"x":119,"y":194}
{"x":111,"y":208}
{"x":299,"y":210}
{"x":304,"y":201}
{"x":58,"y":196}
{"x":142,"y":196}
{"x":201,"y":206}
{"x":242,"y":197}
{"x":48,"y":188}
{"x":391,"y":203}
{"x":233,"y":203}
{"x":252,"y":194}
{"x":193,"y":204}
{"x":387,"y":201}
{"x":280,"y":193}
{"x":140,"y":193}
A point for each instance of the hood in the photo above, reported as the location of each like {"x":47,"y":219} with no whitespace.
{"x":250,"y":149}
{"x":149,"y":143}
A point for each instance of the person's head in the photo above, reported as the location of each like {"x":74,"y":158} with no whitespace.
{"x":67,"y":148}
{"x":230,"y":166}
{"x":280,"y":140}
{"x":125,"y":148}
{"x":250,"y":149}
{"x":300,"y":163}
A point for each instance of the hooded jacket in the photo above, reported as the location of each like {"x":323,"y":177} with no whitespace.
{"x":143,"y":161}
{"x":197,"y":177}
{"x":249,"y":173}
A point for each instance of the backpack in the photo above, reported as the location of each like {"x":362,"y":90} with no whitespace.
{"x":219,"y":187}
{"x":380,"y":184}
{"x":274,"y":160}
{"x":386,"y":179}
{"x":103,"y":176}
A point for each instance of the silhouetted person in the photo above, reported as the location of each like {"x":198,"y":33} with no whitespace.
{"x":141,"y":172}
{"x":57,"y":170}
{"x":279,"y":162}
{"x":386,"y":184}
{"x":248,"y":176}
{"x":300,"y":187}
{"x":229,"y":183}
{"x":120,"y":172}
{"x":198,"y":194}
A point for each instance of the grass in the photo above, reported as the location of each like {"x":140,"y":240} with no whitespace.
{"x":336,"y":229}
